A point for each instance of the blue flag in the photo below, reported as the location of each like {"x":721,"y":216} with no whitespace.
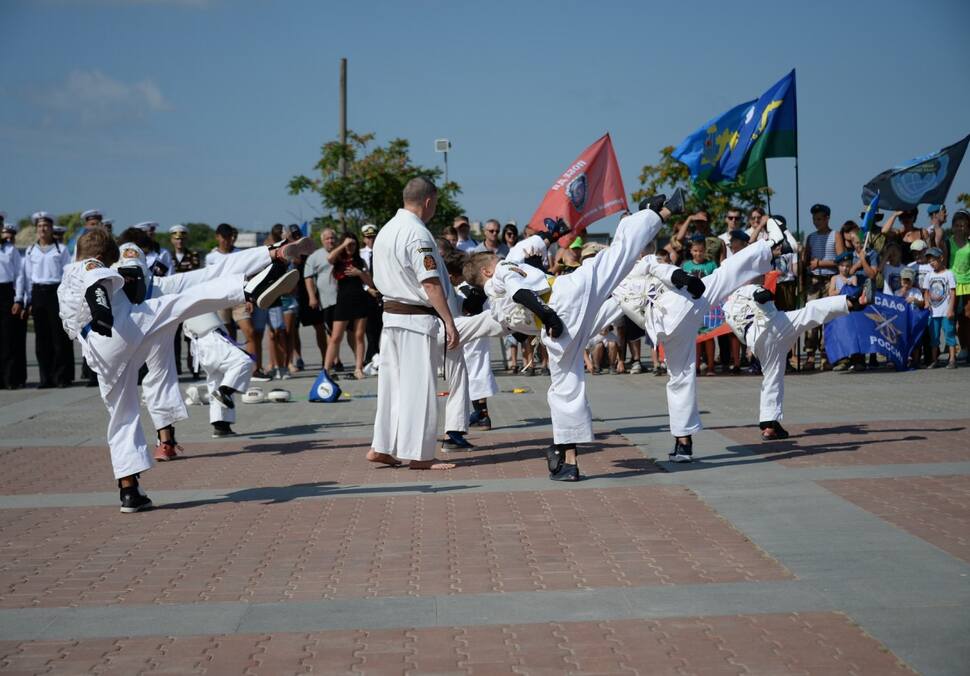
{"x":870,"y":218}
{"x":702,"y":150}
{"x":924,"y":180}
{"x":773,"y":116}
{"x":889,"y":326}
{"x":305,"y":229}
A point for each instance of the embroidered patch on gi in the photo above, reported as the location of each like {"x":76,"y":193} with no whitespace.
{"x":430,"y":263}
{"x":91,"y":265}
{"x":425,"y":249}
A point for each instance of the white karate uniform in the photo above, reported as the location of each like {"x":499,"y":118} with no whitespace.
{"x":771,"y":334}
{"x":405,"y":254}
{"x":674,"y":318}
{"x":225,"y":363}
{"x":464,"y":383}
{"x":582,"y":301}
{"x":137,"y":331}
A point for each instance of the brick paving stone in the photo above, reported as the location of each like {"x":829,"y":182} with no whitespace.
{"x":412,"y":545}
{"x":877,"y":443}
{"x":936,"y":509}
{"x":806,"y":643}
{"x":318,"y":466}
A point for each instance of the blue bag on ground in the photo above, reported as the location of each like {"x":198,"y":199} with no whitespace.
{"x":324,"y":389}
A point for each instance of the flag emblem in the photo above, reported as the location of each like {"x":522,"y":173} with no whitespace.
{"x":576,"y":191}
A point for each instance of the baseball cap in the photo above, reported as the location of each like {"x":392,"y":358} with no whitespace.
{"x":821,"y":208}
{"x":697,"y":237}
{"x":933,"y":208}
{"x":917,"y":245}
{"x":934,"y":252}
{"x":592,"y":249}
{"x":741,"y":235}
{"x":843,"y":257}
{"x":577,"y":243}
{"x":907,"y":273}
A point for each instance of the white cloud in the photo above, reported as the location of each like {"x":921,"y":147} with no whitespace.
{"x":95,"y":99}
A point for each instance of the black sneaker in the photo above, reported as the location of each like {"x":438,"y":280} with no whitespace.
{"x":555,"y":457}
{"x":454,"y":441}
{"x":222,"y":429}
{"x":133,"y":499}
{"x":269,"y":284}
{"x":677,"y":202}
{"x":260,"y":376}
{"x":223,"y":394}
{"x":682,"y":452}
{"x":775,"y":228}
{"x":483,"y":423}
{"x":566,"y":473}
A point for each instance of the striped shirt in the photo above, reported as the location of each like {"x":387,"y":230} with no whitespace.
{"x":822,"y":247}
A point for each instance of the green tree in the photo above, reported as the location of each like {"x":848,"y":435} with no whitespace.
{"x":668,"y":173}
{"x":202,"y":237}
{"x":370,"y":192}
{"x":964,"y":199}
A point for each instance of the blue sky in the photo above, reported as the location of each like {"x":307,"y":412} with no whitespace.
{"x":179,"y":110}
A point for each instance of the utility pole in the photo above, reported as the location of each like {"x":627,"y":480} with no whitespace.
{"x":343,"y":128}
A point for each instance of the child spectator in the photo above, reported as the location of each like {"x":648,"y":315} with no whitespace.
{"x":700,"y":265}
{"x":891,"y":267}
{"x":940,"y":298}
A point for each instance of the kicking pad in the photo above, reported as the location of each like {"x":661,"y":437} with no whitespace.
{"x":324,"y":389}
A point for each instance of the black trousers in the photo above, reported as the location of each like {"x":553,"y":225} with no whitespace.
{"x":375,"y":325}
{"x":55,"y":351}
{"x":13,"y":342}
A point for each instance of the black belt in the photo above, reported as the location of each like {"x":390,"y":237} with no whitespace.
{"x":45,"y":286}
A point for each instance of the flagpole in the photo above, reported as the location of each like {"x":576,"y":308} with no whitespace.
{"x":798,"y":236}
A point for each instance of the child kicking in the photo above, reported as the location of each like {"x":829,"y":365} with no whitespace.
{"x":117,"y":326}
{"x":770,"y":334}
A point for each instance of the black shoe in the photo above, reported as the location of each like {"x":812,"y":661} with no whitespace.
{"x":771,"y":430}
{"x":566,"y":473}
{"x":856,"y":303}
{"x":762,"y":296}
{"x":260,"y":376}
{"x":677,"y":202}
{"x":62,"y":386}
{"x":483,"y":423}
{"x":555,"y":457}
{"x":654,"y":203}
{"x":682,"y":452}
{"x":223,"y":394}
{"x":272,"y":282}
{"x":455,"y":442}
{"x":222,"y":429}
{"x":337,"y":367}
{"x":134,"y":500}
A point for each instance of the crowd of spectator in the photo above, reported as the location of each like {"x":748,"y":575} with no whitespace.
{"x":927,"y":265}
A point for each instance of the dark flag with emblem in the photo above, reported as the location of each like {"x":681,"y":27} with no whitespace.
{"x":590,"y":189}
{"x":924,"y":180}
{"x":889,"y":326}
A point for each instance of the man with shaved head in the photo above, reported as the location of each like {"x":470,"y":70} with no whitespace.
{"x":411,"y":276}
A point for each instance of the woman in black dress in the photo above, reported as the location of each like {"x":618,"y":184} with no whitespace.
{"x":351,"y":274}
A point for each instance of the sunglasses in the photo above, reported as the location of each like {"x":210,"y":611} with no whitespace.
{"x":733,"y":218}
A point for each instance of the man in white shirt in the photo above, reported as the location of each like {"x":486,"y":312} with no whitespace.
{"x":465,"y":242}
{"x":411,"y":276}
{"x":492,"y":243}
{"x":321,"y":290}
{"x":44,"y":264}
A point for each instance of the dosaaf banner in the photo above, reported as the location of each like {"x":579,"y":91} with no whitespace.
{"x":590,"y":189}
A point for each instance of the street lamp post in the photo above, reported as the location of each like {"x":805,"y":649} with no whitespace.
{"x":443,"y":145}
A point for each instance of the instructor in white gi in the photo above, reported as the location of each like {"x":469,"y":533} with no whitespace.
{"x":411,"y":277}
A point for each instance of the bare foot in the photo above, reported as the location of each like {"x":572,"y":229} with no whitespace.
{"x":430,"y":464}
{"x":382,"y":458}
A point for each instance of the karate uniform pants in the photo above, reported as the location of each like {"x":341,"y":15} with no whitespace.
{"x":225,"y":364}
{"x":772,"y":343}
{"x":680,"y":342}
{"x":160,"y":386}
{"x":54,"y":350}
{"x":13,"y":342}
{"x":130,"y":344}
{"x":407,"y":411}
{"x":466,"y":383}
{"x":582,"y":301}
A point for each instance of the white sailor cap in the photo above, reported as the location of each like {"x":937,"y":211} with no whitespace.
{"x":147,"y":226}
{"x":178,"y":227}
{"x":91,"y":213}
{"x":9,"y":225}
{"x":131,"y":256}
{"x":108,"y":222}
{"x":59,"y":229}
{"x":38,"y":216}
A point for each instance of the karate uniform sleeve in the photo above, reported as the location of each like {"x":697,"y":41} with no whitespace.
{"x":662,"y":271}
{"x":423,"y":259}
{"x":510,"y":277}
{"x":530,"y":246}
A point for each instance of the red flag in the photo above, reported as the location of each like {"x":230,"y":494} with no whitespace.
{"x":590,"y":189}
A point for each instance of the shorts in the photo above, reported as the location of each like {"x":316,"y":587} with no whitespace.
{"x":949,"y":331}
{"x":236,"y":313}
{"x":631,"y":331}
{"x":276,"y":317}
{"x":289,"y":305}
{"x":260,"y":317}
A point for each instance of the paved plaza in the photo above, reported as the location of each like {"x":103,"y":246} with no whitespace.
{"x":842,"y":550}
